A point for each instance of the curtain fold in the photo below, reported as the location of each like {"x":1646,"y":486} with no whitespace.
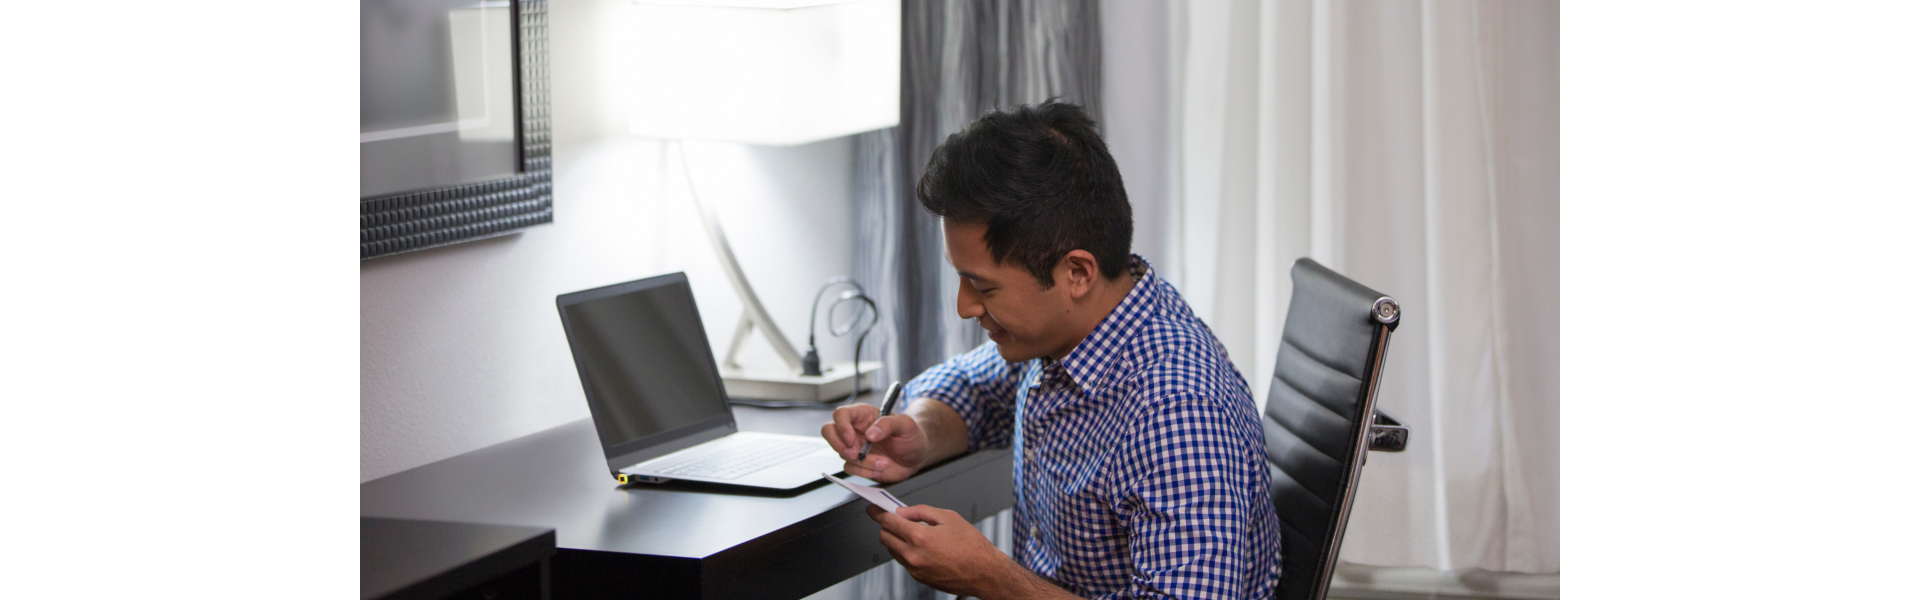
{"x":876,"y":252}
{"x":1412,"y":146}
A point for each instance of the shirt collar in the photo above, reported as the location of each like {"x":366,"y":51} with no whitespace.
{"x":1090,"y":362}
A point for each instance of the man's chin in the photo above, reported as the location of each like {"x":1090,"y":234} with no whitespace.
{"x":1015,"y":354}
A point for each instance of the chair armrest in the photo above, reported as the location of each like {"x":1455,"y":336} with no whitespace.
{"x":1386,"y":434}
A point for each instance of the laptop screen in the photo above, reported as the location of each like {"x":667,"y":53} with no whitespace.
{"x":643,"y":359}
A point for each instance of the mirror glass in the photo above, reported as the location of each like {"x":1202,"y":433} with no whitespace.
{"x":436,"y":94}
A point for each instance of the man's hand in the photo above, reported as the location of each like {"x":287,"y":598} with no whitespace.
{"x":899,"y":446}
{"x":940,"y":548}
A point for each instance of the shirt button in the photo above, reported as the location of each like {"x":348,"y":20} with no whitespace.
{"x":1033,"y":531}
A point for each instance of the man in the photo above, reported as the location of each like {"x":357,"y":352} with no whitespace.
{"x":1140,"y":466}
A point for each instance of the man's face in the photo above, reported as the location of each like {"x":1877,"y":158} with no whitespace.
{"x":1024,"y":320}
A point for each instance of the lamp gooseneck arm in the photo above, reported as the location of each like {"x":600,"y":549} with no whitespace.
{"x":756,"y":314}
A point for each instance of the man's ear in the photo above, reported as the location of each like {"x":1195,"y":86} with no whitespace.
{"x":1081,"y":269}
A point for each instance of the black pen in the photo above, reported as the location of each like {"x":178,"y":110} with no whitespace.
{"x":886,"y":408}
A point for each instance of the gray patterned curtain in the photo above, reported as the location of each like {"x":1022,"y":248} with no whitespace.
{"x":959,"y":60}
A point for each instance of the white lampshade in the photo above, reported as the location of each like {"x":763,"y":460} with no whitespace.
{"x":770,"y":72}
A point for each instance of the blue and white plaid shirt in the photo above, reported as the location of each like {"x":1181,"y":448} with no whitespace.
{"x":1144,"y":468}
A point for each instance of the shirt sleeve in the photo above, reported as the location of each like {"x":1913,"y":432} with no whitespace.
{"x":1187,"y":486}
{"x":979,"y":385}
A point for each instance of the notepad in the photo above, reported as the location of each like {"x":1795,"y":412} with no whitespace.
{"x":877,"y":496}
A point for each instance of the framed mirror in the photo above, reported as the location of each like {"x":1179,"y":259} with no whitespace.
{"x":455,"y":140}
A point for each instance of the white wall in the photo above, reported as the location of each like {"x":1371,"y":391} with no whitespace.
{"x":461,"y":347}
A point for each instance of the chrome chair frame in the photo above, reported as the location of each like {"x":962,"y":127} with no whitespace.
{"x":1389,"y":436}
{"x":1316,"y":498}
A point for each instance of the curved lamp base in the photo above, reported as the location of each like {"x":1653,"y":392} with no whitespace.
{"x":835,"y":381}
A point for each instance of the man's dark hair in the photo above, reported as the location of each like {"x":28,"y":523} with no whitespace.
{"x":1041,"y":180}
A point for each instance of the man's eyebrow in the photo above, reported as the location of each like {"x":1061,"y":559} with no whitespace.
{"x":974,"y":277}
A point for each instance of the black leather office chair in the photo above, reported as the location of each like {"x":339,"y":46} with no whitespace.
{"x":1320,"y":418}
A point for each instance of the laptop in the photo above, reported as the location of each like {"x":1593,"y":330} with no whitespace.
{"x":656,"y":396}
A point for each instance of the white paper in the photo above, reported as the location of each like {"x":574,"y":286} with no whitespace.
{"x":877,"y":496}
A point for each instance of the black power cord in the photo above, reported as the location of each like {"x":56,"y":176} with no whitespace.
{"x":810,"y":364}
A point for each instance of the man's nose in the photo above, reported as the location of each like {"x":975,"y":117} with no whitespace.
{"x":968,"y":305}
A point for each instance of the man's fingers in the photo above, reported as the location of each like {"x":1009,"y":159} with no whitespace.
{"x":850,"y":431}
{"x":913,"y":513}
{"x":851,"y":423}
{"x":901,"y":525}
{"x":893,"y":543}
{"x":895,"y":546}
{"x":842,"y":424}
{"x":901,"y":546}
{"x":890,"y":426}
{"x":931,"y":515}
{"x":853,"y":468}
{"x":841,"y":436}
{"x":886,"y":520}
{"x":831,"y":434}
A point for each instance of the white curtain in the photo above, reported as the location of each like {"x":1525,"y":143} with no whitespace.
{"x":1413,"y":146}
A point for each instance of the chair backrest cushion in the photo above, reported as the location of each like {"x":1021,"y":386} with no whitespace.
{"x":1313,"y":417}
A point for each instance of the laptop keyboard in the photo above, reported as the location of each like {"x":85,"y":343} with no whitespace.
{"x":739,"y":459}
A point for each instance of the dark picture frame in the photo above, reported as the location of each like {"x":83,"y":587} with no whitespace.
{"x":420,"y":219}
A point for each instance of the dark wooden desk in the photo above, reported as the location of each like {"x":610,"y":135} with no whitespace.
{"x":404,"y":559}
{"x":677,"y":540}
